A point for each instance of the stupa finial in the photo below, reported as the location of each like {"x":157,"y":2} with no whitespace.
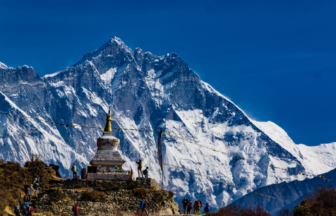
{"x":108,"y":126}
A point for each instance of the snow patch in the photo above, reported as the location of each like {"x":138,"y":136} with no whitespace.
{"x":51,"y":75}
{"x":277,"y":134}
{"x":108,"y":75}
{"x":58,"y":84}
{"x":3,"y":66}
{"x":318,"y":159}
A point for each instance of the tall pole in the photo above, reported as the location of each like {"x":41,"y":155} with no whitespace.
{"x":160,"y":152}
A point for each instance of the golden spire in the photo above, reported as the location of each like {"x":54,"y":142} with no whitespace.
{"x":108,"y":127}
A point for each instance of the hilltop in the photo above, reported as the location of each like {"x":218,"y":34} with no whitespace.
{"x":58,"y":195}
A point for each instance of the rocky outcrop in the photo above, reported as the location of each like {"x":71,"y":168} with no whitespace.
{"x":104,"y":197}
{"x":148,"y":183}
{"x":123,"y":201}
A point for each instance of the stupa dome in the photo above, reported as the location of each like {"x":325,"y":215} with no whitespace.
{"x":107,"y":148}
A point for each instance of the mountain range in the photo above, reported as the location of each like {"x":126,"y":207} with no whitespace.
{"x":151,"y":92}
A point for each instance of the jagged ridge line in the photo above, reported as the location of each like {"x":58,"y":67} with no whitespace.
{"x":219,"y":180}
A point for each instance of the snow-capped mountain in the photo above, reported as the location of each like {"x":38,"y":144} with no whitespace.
{"x":148,"y":91}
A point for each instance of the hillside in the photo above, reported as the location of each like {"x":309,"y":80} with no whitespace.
{"x":14,"y":181}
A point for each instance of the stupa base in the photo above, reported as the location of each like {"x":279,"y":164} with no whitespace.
{"x":123,"y":176}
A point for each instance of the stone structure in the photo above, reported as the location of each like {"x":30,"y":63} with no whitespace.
{"x":148,"y":183}
{"x":108,"y":156}
{"x":104,"y":198}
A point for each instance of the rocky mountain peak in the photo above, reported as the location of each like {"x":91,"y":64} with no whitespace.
{"x":113,"y":53}
{"x":119,"y":42}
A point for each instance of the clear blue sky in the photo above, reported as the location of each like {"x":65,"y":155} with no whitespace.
{"x":274,"y":59}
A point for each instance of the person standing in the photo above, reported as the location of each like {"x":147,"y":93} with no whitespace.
{"x":31,"y":189}
{"x":201,"y":204}
{"x":75,"y":210}
{"x":25,"y":208}
{"x":139,"y":162}
{"x":30,"y":210}
{"x":145,"y":172}
{"x":190,"y":205}
{"x":37,"y":180}
{"x":25,"y":198}
{"x":36,"y":188}
{"x":28,"y":194}
{"x":207,"y":208}
{"x":142,"y":204}
{"x":145,"y":207}
{"x":37,"y":184}
{"x":185,"y":204}
{"x":17,"y":210}
{"x":197,"y":206}
{"x":18,"y":207}
{"x":74,"y":170}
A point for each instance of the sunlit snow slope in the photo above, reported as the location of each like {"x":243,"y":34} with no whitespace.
{"x":152,"y":92}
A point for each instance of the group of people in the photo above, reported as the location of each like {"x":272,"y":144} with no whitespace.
{"x":26,"y":209}
{"x":144,"y":172}
{"x":188,"y":206}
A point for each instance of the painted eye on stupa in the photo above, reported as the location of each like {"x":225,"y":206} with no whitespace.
{"x":114,"y":168}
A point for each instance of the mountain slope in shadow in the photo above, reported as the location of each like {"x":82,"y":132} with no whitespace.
{"x":287,"y":194}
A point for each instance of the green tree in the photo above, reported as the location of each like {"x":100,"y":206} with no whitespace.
{"x":303,"y":208}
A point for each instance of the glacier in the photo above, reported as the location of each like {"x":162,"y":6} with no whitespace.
{"x":152,"y":92}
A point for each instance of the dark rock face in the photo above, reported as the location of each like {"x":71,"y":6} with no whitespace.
{"x":143,"y":91}
{"x":56,"y":168}
{"x":17,"y":75}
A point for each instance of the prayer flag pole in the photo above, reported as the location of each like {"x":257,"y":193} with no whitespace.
{"x":160,"y":152}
